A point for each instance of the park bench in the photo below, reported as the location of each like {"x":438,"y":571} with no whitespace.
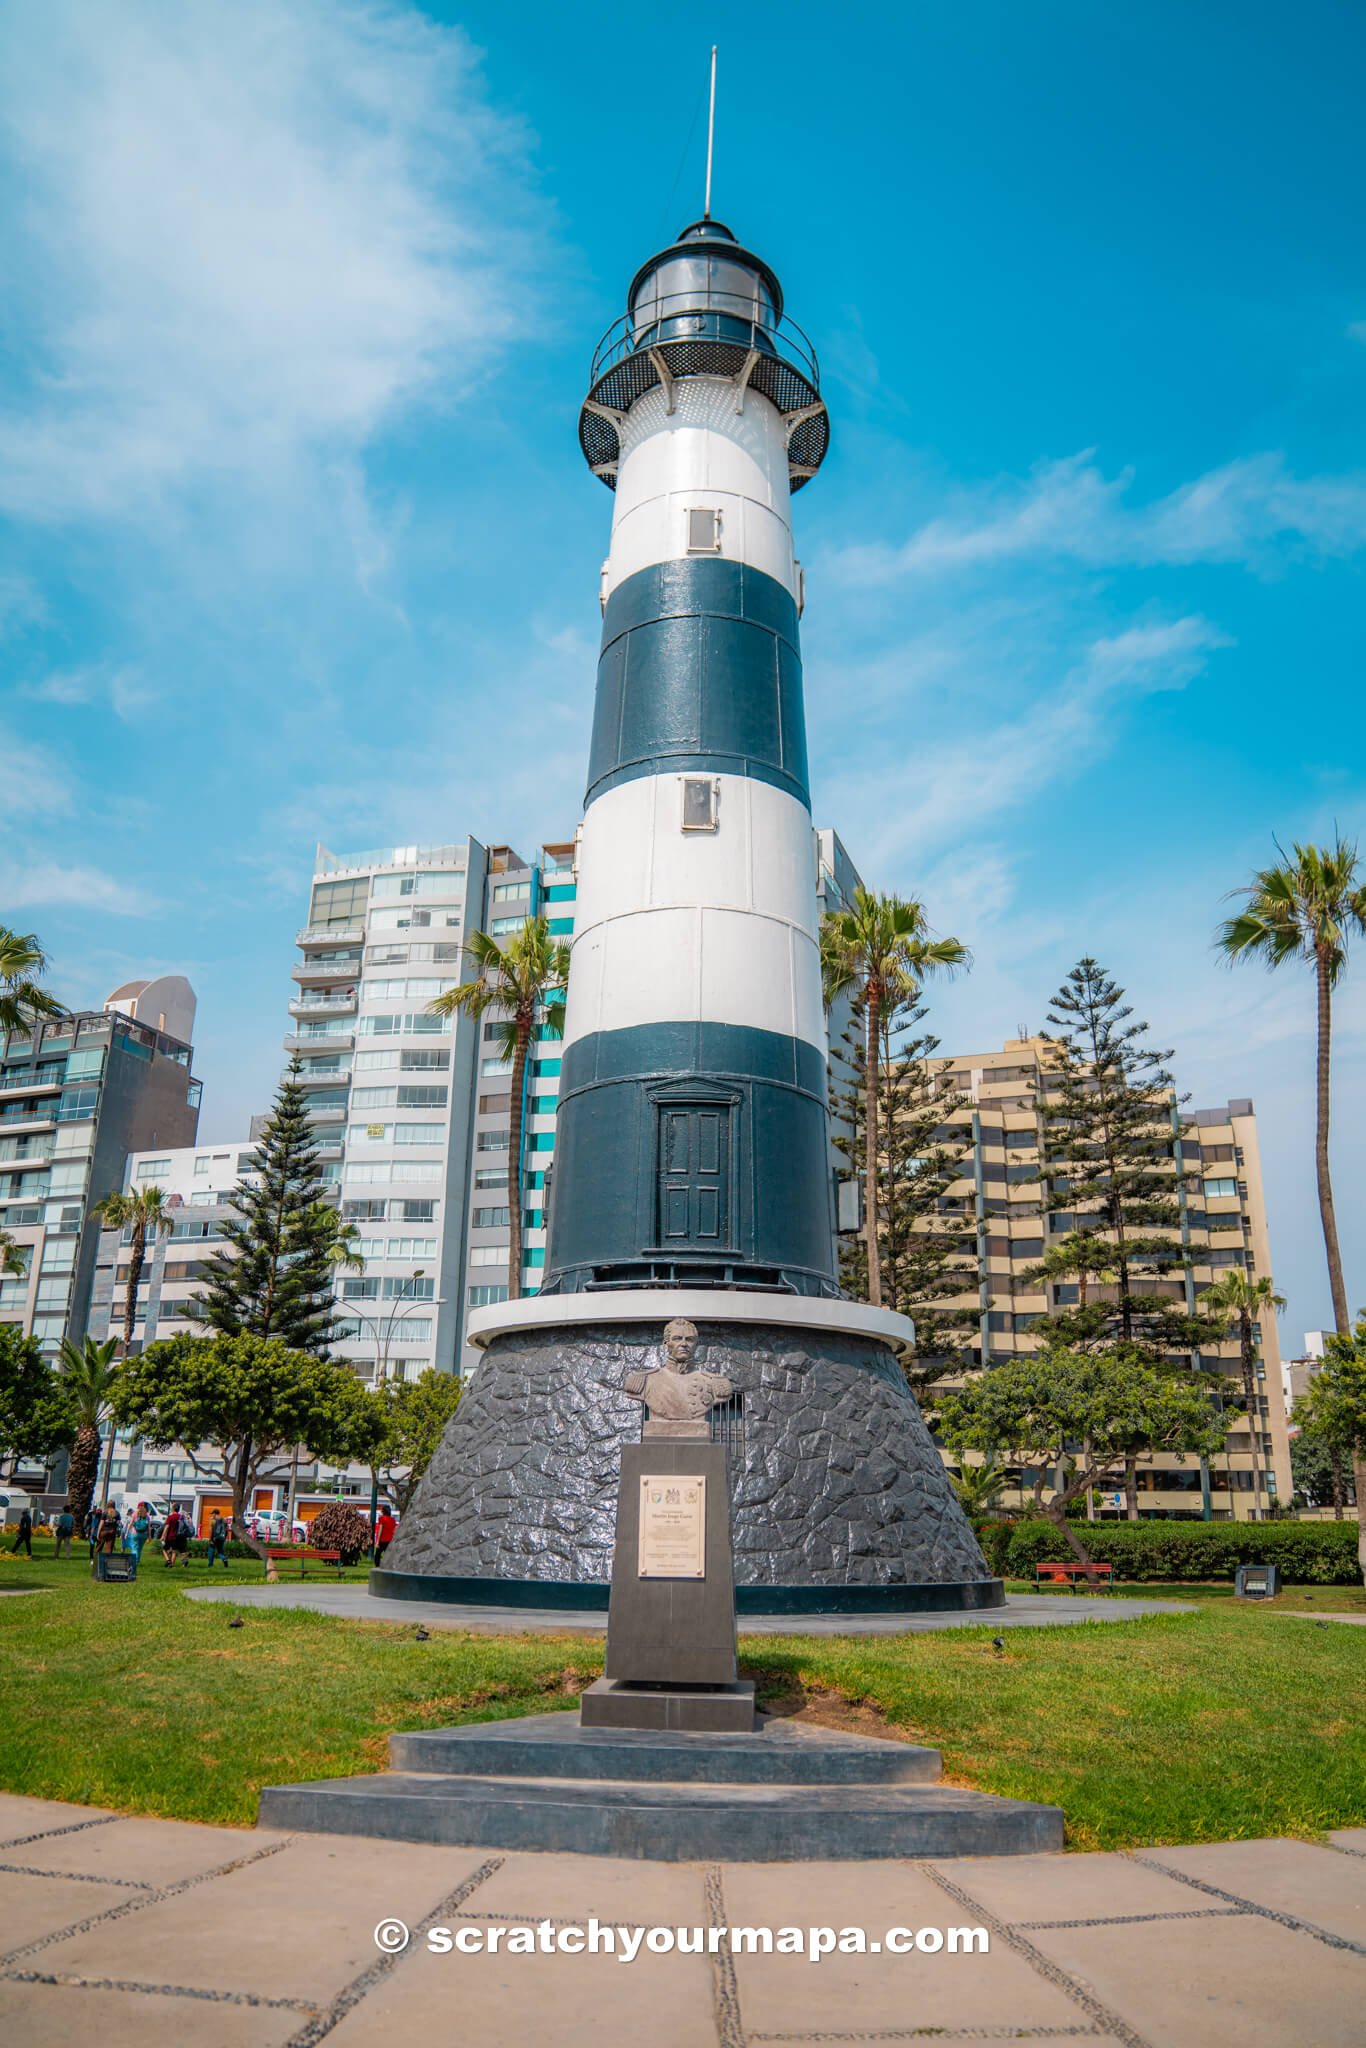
{"x":303,"y":1551}
{"x":1067,"y":1574}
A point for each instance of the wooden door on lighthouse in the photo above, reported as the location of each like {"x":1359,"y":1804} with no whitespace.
{"x":694,"y":1175}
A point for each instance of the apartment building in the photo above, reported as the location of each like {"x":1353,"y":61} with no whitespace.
{"x":77,"y":1095}
{"x":1223,"y":1224}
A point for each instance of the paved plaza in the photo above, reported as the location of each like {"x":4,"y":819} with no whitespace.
{"x":124,"y":1931}
{"x":353,"y":1603}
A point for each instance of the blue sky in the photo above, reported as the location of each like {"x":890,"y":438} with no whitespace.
{"x":296,"y":542}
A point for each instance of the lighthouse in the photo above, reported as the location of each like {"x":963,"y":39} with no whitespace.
{"x":693,"y":1142}
{"x":692,"y":1189}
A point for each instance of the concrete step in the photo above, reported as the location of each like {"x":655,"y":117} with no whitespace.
{"x":775,"y":1752}
{"x":668,"y":1822}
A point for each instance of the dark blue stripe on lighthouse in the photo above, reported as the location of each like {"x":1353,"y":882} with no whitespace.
{"x":691,"y":1151}
{"x":699,"y":671}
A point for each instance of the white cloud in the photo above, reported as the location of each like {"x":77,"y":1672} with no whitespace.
{"x":247,"y":236}
{"x":48,"y":885}
{"x":124,"y":688}
{"x":32,"y":785}
{"x":1069,"y":510}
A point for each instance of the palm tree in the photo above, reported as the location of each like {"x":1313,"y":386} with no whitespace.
{"x":979,"y":1489}
{"x":144,"y":1211}
{"x":879,"y":951}
{"x":1239,"y":1302}
{"x":22,"y":1001}
{"x":1307,"y":908}
{"x":88,"y":1373}
{"x":13,"y":1258}
{"x":522,"y":982}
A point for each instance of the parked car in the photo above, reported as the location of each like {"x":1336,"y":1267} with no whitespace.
{"x":269,"y":1525}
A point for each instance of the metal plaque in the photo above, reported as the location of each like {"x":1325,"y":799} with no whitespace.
{"x":673,"y":1526}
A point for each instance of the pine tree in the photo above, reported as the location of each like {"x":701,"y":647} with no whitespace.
{"x":1107,"y":1144}
{"x":924,"y":1253}
{"x":276,"y":1278}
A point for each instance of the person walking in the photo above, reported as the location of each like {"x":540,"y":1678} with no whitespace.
{"x":65,"y":1530}
{"x":92,"y":1528}
{"x":218,"y":1542}
{"x":386,"y":1528}
{"x":139,"y":1530}
{"x":168,"y":1537}
{"x":107,"y":1537}
{"x":24,"y":1534}
{"x":182,"y":1539}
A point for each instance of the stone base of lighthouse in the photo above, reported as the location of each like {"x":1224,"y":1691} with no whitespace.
{"x":840,"y":1503}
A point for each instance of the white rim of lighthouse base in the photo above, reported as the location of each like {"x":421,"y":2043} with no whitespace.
{"x":538,"y":1312}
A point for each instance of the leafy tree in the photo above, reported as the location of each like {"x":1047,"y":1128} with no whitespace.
{"x":924,"y":1255}
{"x":23,"y":1003}
{"x":1307,"y":907}
{"x":13,"y":1258}
{"x":1077,"y":1415}
{"x":1316,"y":1465}
{"x":416,"y":1414}
{"x":1239,"y":1302}
{"x":88,"y":1373}
{"x":240,"y":1403}
{"x":879,"y":951}
{"x":979,"y":1488}
{"x":1334,"y":1409}
{"x":1108,"y":1126}
{"x":274,"y":1277}
{"x":36,"y":1419}
{"x":521,"y":982}
{"x":144,"y":1211}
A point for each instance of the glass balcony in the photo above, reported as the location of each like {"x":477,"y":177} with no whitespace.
{"x":311,"y":1004}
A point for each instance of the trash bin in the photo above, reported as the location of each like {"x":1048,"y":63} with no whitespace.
{"x":1257,"y":1581}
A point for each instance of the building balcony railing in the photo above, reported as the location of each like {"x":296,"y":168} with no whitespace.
{"x":308,"y":1005}
{"x":328,"y":1113}
{"x":327,"y":970}
{"x":27,"y":1085}
{"x":46,"y":1113}
{"x":330,"y":935}
{"x":323,"y":1077}
{"x":310,"y":1041}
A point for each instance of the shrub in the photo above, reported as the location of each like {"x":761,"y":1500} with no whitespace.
{"x":1308,"y":1553}
{"x":341,"y":1528}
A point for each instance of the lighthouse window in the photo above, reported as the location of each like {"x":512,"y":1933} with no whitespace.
{"x":704,"y":530}
{"x":700,"y":803}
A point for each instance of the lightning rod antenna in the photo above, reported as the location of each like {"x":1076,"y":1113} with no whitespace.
{"x":711,"y":133}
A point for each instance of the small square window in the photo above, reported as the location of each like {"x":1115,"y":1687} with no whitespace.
{"x":704,"y":530}
{"x":701,"y":799}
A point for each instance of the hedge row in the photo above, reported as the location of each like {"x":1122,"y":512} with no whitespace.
{"x":1308,"y":1553}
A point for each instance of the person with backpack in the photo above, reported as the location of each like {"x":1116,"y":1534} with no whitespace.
{"x":24,"y":1534}
{"x":168,"y":1537}
{"x":182,"y":1539}
{"x":65,"y":1530}
{"x":218,"y":1541}
{"x":139,"y":1529}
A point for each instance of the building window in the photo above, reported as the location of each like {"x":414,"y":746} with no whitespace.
{"x":704,"y":530}
{"x":501,"y":926}
{"x":492,"y":1219}
{"x":149,"y":1169}
{"x":484,"y":1297}
{"x":701,"y":803}
{"x":509,"y":892}
{"x":338,"y":903}
{"x":1220,"y":1190}
{"x":495,"y":1069}
{"x":416,"y":1212}
{"x":491,"y":1177}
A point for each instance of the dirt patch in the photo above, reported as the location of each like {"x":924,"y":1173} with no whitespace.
{"x":788,"y":1699}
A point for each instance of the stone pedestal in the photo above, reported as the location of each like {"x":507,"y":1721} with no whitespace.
{"x":671,"y":1641}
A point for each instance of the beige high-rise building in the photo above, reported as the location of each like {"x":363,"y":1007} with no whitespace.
{"x":1223,"y":1221}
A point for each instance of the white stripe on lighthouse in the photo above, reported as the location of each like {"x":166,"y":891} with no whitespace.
{"x":705,"y":454}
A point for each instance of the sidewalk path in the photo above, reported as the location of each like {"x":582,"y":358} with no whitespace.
{"x":125,"y":1932}
{"x":353,"y":1603}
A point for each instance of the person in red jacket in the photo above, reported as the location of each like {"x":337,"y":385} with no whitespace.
{"x":386,"y":1528}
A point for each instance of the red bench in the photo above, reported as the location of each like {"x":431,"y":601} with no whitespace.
{"x":1068,"y":1574}
{"x":303,"y":1551}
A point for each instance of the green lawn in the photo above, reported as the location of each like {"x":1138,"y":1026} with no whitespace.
{"x":1227,"y":1721}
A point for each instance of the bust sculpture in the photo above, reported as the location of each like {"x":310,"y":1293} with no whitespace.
{"x":677,"y":1397}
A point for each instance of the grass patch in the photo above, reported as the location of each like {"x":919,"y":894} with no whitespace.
{"x":1223,"y":1723}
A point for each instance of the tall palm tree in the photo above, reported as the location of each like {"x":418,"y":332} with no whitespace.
{"x":88,"y":1372}
{"x":1239,"y":1303}
{"x":144,"y":1210}
{"x":22,"y":1001}
{"x":521,"y":981}
{"x":879,"y":951}
{"x":1307,"y":907}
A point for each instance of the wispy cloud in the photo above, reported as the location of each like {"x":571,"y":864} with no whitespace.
{"x":1072,"y":511}
{"x":32,"y":784}
{"x":124,"y":689}
{"x":248,"y":237}
{"x":48,"y":885}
